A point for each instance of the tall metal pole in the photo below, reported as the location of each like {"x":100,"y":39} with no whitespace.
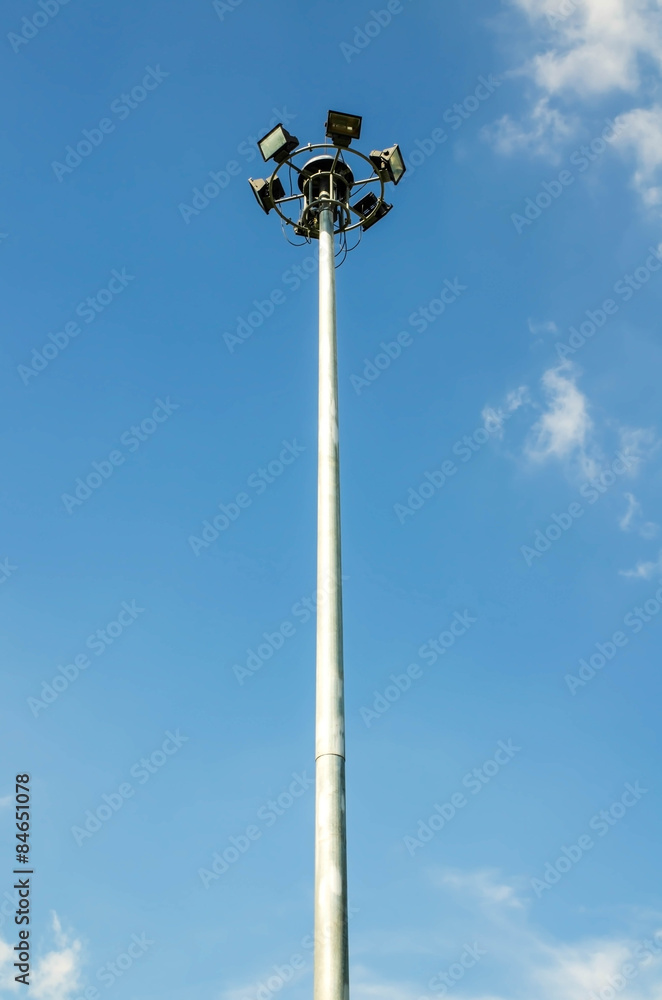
{"x":326,"y":183}
{"x":331,"y":975}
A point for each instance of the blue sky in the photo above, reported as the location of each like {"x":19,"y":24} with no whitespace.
{"x":501,"y":478}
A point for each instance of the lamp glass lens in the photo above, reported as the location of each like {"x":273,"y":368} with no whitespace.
{"x":396,"y":164}
{"x":344,"y":124}
{"x":272,"y":142}
{"x":258,"y":187}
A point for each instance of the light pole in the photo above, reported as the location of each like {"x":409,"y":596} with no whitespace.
{"x":326,"y":183}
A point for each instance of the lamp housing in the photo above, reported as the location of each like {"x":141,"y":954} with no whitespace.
{"x":277,"y":144}
{"x":389,"y":163}
{"x":343,"y":128}
{"x":266,"y":193}
{"x":367,"y":205}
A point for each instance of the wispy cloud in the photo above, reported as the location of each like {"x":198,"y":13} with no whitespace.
{"x":484,"y":886}
{"x":544,"y":326}
{"x":641,"y":140}
{"x":644,"y":570}
{"x":541,"y":133}
{"x":633,"y":519}
{"x":563,"y":431}
{"x":637,"y":444}
{"x":495,"y":417}
{"x":522,"y":960}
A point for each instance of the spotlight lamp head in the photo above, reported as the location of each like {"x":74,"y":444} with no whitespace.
{"x":389,"y":163}
{"x":342,"y":128}
{"x":323,"y":195}
{"x":277,"y":144}
{"x":366,"y":207}
{"x":266,"y":193}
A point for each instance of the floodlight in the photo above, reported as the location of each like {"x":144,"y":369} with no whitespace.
{"x":389,"y":163}
{"x":366,"y":206}
{"x":265,"y":197}
{"x":277,"y":144}
{"x":343,"y":128}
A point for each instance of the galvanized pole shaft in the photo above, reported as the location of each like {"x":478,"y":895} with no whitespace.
{"x":331,"y":976}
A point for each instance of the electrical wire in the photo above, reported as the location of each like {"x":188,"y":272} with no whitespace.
{"x":343,"y":248}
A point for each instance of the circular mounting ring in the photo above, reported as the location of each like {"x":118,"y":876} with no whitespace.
{"x":345,"y":207}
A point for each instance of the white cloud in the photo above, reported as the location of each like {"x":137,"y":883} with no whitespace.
{"x":365,"y":987}
{"x":521,"y":959}
{"x":563,"y":431}
{"x":55,"y":975}
{"x":633,"y":519}
{"x":7,"y":967}
{"x":545,"y":326}
{"x":644,"y":570}
{"x":494,"y":419}
{"x":541,"y":134}
{"x":250,"y":990}
{"x":637,"y":444}
{"x":599,"y":48}
{"x":634,"y":508}
{"x":588,"y":49}
{"x":574,"y":972}
{"x":482,"y":885}
{"x":642,"y":138}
